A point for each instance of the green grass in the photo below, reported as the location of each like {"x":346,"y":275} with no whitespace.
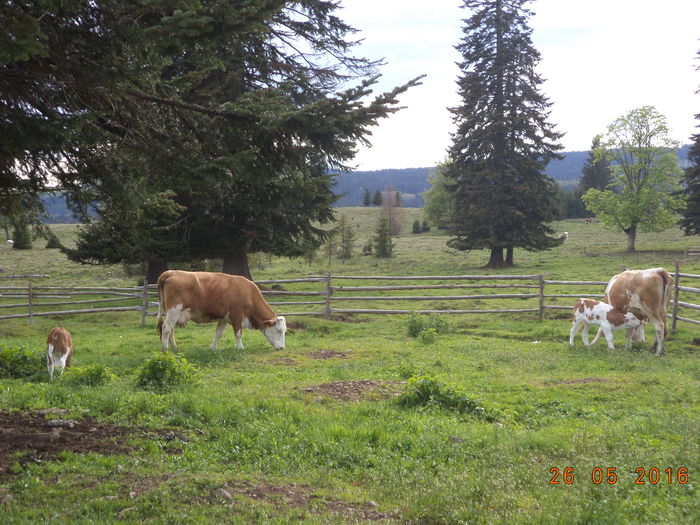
{"x":259,"y":427}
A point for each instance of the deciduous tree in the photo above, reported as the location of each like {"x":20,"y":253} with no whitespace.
{"x":646,"y":174}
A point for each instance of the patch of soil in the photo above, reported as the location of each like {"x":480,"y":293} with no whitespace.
{"x":581,"y":381}
{"x":696,"y":341}
{"x":327,"y":354}
{"x":357,"y":390}
{"x":286,"y":361}
{"x":300,"y":496}
{"x":31,"y":437}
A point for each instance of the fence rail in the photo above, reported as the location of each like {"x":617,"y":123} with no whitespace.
{"x":330,"y":298}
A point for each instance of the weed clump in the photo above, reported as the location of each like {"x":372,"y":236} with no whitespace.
{"x":167,"y":371}
{"x":20,"y":364}
{"x":426,"y":391}
{"x":417,"y":325}
{"x":96,"y":375}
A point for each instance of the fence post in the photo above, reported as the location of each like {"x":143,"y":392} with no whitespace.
{"x":540,"y":278}
{"x":31,"y":303}
{"x":676,"y":286}
{"x":329,"y":292}
{"x":144,"y":303}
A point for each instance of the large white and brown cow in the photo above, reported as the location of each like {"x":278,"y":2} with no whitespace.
{"x":206,"y":297}
{"x":645,"y":293}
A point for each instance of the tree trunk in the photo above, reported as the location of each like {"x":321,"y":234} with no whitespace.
{"x":631,"y":238}
{"x":509,"y":256}
{"x":496,"y":258}
{"x":236,"y":264}
{"x":155,"y":268}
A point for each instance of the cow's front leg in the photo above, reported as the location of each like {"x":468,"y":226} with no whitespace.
{"x":609,"y":338}
{"x":239,"y":338}
{"x":572,"y":332}
{"x":220,"y":328}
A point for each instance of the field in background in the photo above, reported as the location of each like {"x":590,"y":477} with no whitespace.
{"x":314,"y":433}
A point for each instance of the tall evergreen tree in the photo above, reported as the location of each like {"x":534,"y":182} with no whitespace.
{"x":367,"y":199}
{"x":249,"y":129}
{"x":377,"y":199}
{"x":596,"y":171}
{"x":502,"y":198}
{"x":690,"y":221}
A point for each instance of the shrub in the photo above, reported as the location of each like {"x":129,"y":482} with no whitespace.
{"x":95,"y":375}
{"x":426,"y":226}
{"x":416,"y":324}
{"x":17,"y":363}
{"x":438,"y":324}
{"x":166,"y":371}
{"x":416,"y":226}
{"x":52,"y":241}
{"x":428,"y":336}
{"x":429,"y":392}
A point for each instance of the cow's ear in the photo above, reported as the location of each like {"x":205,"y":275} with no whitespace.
{"x":270,"y":322}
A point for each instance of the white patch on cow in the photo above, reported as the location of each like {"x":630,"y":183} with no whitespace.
{"x":246,"y":323}
{"x":175,"y":316}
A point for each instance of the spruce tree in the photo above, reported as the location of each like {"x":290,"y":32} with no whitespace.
{"x":596,"y":171}
{"x":377,"y":200}
{"x":246,"y":137}
{"x":21,"y":236}
{"x":501,"y":197}
{"x":367,"y":199}
{"x":690,"y":221}
{"x":382,"y":243}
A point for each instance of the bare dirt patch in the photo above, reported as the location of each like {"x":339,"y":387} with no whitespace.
{"x":31,"y":437}
{"x":580,"y":381}
{"x":357,"y":390}
{"x":286,"y":361}
{"x":300,"y":496}
{"x":327,"y":354}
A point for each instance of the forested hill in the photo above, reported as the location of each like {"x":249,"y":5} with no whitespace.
{"x":411,"y":182}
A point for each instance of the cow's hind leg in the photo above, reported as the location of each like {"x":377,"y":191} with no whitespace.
{"x":659,"y":343}
{"x":597,"y":336}
{"x":168,"y":329}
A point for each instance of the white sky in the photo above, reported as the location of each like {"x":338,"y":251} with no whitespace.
{"x":599,"y":59}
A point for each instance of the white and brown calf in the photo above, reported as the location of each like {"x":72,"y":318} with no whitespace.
{"x":59,"y":350}
{"x":589,"y":312}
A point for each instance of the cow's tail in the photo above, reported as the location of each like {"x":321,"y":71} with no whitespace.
{"x":667,"y":286}
{"x":161,"y":302}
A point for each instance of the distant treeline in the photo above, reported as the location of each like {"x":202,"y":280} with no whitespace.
{"x":410,"y":182}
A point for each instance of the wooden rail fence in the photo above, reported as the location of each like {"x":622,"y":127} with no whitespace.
{"x":337,"y":295}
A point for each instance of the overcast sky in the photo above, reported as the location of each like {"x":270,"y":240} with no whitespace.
{"x":599,"y":59}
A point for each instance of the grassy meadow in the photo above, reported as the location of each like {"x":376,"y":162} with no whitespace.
{"x":357,"y":421}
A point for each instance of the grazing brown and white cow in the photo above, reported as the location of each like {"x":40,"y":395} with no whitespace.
{"x":645,"y":293}
{"x":59,"y":350}
{"x":205,"y":297}
{"x":588,"y":312}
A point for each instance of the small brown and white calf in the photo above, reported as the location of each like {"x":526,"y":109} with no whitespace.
{"x":59,"y":350}
{"x":589,"y":312}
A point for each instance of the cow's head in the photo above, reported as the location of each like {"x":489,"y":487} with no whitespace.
{"x":274,"y":330}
